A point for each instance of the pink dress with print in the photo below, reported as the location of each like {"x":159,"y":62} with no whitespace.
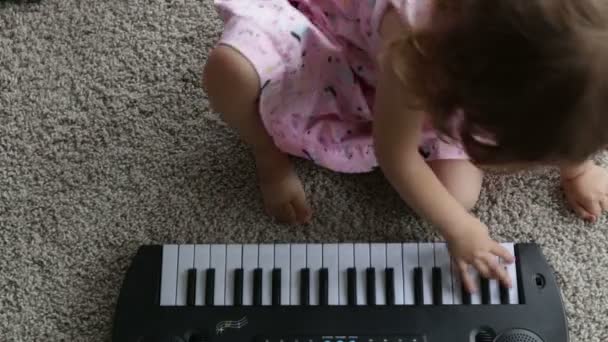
{"x":316,"y":62}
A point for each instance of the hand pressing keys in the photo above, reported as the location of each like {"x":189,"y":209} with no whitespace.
{"x":470,"y":245}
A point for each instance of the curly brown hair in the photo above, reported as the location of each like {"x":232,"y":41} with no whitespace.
{"x":532,"y":74}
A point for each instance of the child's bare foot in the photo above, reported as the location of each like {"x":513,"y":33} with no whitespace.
{"x":284,"y":197}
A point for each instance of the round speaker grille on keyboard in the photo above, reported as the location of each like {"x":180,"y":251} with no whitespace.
{"x":518,"y":335}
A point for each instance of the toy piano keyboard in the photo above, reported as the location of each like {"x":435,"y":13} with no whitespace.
{"x":362,"y":292}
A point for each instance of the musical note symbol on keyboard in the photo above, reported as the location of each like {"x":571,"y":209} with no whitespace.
{"x":222,"y":326}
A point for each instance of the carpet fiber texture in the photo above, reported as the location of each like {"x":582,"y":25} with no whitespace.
{"x":107,"y":142}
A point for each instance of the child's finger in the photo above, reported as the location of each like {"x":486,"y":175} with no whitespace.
{"x":582,"y":212}
{"x":483,"y":269}
{"x":469,"y":284}
{"x":604,"y":203}
{"x":497,"y":270}
{"x":503,"y":253}
{"x":593,"y":207}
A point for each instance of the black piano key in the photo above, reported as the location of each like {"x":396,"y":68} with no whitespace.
{"x":504,"y":295}
{"x":210,"y":287}
{"x":351,"y":275}
{"x":238,"y":287}
{"x":191,"y":296}
{"x":437,"y":287}
{"x":371,"y":286}
{"x":257,"y":287}
{"x":276,"y":286}
{"x":466,"y":295}
{"x":390,"y":286}
{"x":418,"y":288}
{"x":305,"y":286}
{"x":324,"y":286}
{"x":485,"y":290}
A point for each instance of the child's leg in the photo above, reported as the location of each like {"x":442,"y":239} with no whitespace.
{"x":461,"y":178}
{"x":233,"y":86}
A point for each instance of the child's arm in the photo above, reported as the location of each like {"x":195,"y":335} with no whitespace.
{"x":396,"y":138}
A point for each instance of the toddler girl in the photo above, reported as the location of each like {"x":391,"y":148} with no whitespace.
{"x":425,"y":90}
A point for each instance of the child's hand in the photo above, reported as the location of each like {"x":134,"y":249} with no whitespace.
{"x":587,"y":191}
{"x":470,"y":244}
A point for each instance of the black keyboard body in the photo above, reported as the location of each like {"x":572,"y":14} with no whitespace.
{"x":139,"y":318}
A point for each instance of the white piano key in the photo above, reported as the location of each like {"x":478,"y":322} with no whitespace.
{"x":378,"y":262}
{"x":202,"y":258}
{"x":267,"y":265}
{"x":494,"y":290}
{"x":250,"y":263}
{"x":234,"y":259}
{"x":168,"y":282}
{"x":218,"y":263}
{"x":474,"y":276}
{"x":443,"y":261}
{"x":185,"y":263}
{"x":330,"y":261}
{"x":456,"y":284}
{"x":314,"y":261}
{"x":282,"y":261}
{"x":426,"y":256}
{"x":512,"y":270}
{"x":410,"y":261}
{"x":346,"y":260}
{"x":298,"y":262}
{"x":362,"y":262}
{"x":394,"y":260}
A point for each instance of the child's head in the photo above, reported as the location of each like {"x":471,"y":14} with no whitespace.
{"x":532,"y":75}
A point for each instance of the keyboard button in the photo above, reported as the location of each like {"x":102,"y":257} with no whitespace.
{"x":466,"y":296}
{"x":437,"y":290}
{"x":185,"y":262}
{"x":202,"y":256}
{"x":426,"y":260}
{"x":394,"y":261}
{"x":191,"y":297}
{"x":352,"y":286}
{"x":168,"y":285}
{"x":378,"y":262}
{"x":258,"y":279}
{"x":276,"y":287}
{"x":444,"y":263}
{"x":250,"y":264}
{"x":238,"y":287}
{"x":371,"y":285}
{"x":298,"y":262}
{"x":362,"y":263}
{"x":218,"y":262}
{"x":267,"y":265}
{"x":418,"y":286}
{"x":282,"y":260}
{"x":314,"y":261}
{"x":346,"y":260}
{"x":512,"y":270}
{"x":389,"y":275}
{"x":475,"y":296}
{"x":494,"y":291}
{"x":457,"y":286}
{"x":305,"y":286}
{"x":234,"y":259}
{"x":331,"y":263}
{"x":410,"y":263}
{"x":504,"y":295}
{"x":210,"y":287}
{"x":323,"y":287}
{"x":485,"y":290}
